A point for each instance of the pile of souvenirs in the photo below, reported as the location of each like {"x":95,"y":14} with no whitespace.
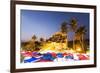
{"x":29,"y":56}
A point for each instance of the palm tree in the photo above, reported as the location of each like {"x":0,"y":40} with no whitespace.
{"x":81,"y":31}
{"x":73,"y":24}
{"x":64,"y":29}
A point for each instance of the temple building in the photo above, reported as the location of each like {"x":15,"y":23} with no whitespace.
{"x":56,"y":43}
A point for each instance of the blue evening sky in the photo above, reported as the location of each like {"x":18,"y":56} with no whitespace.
{"x":46,"y":23}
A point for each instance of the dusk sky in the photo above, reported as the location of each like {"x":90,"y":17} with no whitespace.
{"x":46,"y":23}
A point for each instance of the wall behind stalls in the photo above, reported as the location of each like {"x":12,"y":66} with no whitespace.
{"x":5,"y":36}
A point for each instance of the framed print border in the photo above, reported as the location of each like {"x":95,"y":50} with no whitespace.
{"x":13,"y":35}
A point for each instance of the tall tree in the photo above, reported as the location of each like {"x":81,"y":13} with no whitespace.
{"x":64,"y":28}
{"x":73,"y":24}
{"x":81,"y":31}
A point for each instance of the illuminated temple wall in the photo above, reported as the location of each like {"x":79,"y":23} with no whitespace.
{"x":57,"y":43}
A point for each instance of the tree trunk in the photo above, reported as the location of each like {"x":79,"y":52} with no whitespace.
{"x":83,"y":43}
{"x":67,"y":41}
{"x":74,"y":43}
